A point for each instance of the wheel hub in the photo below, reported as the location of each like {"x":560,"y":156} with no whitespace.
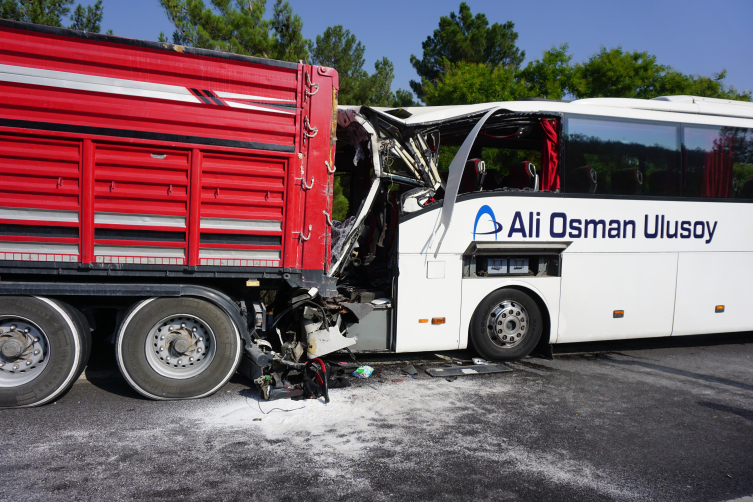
{"x":507,"y":324}
{"x":23,"y":351}
{"x":180,"y":346}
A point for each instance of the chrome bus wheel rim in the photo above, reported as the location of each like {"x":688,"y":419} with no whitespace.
{"x":507,"y":324}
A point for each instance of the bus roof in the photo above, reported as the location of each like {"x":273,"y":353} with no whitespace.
{"x":678,"y":104}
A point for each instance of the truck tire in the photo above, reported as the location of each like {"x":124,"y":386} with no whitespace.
{"x":43,"y":347}
{"x":177,"y":348}
{"x":506,"y":326}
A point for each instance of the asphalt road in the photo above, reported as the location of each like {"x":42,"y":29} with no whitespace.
{"x":649,"y":420}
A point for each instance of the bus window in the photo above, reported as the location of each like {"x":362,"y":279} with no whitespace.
{"x":606,"y":156}
{"x":717,"y":162}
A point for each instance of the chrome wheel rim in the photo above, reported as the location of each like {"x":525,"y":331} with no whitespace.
{"x":180,"y":346}
{"x":24,"y":351}
{"x":507,"y":324}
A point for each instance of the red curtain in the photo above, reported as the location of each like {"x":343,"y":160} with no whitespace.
{"x":550,"y":151}
{"x":717,"y":172}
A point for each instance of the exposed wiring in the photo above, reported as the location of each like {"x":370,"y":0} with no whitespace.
{"x":258,"y":402}
{"x":296,"y":305}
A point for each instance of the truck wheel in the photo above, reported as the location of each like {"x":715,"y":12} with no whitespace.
{"x":507,"y":325}
{"x":43,"y":344}
{"x":177,"y":348}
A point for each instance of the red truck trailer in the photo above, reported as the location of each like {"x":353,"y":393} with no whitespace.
{"x":168,"y":182}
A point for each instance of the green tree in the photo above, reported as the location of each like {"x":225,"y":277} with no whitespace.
{"x":340,"y":204}
{"x":237,"y":26}
{"x":463,"y":37}
{"x":549,"y":77}
{"x":52,"y":12}
{"x":617,"y":73}
{"x":88,"y":18}
{"x":338,"y":48}
{"x":403,"y":99}
{"x":468,"y":83}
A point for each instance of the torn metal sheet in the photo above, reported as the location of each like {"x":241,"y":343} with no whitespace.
{"x":360,"y":310}
{"x":456,"y":173}
{"x":325,"y":341}
{"x":469,"y":370}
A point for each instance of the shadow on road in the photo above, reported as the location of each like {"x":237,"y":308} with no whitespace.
{"x":675,"y":371}
{"x":746,"y":414}
{"x":654,"y":343}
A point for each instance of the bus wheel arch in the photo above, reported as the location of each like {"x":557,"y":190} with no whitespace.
{"x":509,"y":323}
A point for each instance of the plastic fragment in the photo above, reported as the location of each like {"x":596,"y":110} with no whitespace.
{"x":363,"y":372}
{"x":409,"y":369}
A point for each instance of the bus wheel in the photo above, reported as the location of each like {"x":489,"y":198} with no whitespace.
{"x":506,"y":325}
{"x":43,"y":347}
{"x":177,"y":348}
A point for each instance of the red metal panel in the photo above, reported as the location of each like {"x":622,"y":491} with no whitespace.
{"x":236,"y":188}
{"x":317,"y":152}
{"x":57,"y":104}
{"x":39,"y":172}
{"x":61,"y":150}
{"x":139,"y":180}
{"x":194,"y":217}
{"x":87,"y":206}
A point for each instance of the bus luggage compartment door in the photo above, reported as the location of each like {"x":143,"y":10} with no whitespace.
{"x":428,"y":313}
{"x":608,"y":296}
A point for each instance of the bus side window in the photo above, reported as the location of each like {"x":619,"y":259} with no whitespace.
{"x":622,"y":157}
{"x":717,"y":162}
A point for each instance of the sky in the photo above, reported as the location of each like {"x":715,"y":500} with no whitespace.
{"x":699,"y":37}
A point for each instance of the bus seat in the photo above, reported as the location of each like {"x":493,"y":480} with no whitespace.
{"x":473,"y":176}
{"x":523,"y":175}
{"x":627,"y":182}
{"x":582,"y":180}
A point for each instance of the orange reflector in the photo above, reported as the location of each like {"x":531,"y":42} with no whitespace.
{"x":617,"y":314}
{"x":719,"y":309}
{"x":423,"y":321}
{"x":437,"y":320}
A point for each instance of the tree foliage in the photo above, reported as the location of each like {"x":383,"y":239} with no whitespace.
{"x":549,"y":77}
{"x":466,"y":83}
{"x":468,"y":61}
{"x":608,"y":73}
{"x":617,"y":73}
{"x":238,"y":26}
{"x":338,"y":48}
{"x":52,"y":13}
{"x":463,"y":37}
{"x":88,"y":18}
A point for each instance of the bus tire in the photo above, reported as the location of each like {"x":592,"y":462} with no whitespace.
{"x":506,"y":326}
{"x":177,"y":348}
{"x":37,"y":366}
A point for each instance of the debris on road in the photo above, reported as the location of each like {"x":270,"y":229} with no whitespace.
{"x":409,"y":370}
{"x":363,"y":372}
{"x":468,"y":370}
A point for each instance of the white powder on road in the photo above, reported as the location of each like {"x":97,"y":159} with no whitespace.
{"x":416,"y":419}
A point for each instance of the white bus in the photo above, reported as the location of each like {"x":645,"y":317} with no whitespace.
{"x":558,"y":222}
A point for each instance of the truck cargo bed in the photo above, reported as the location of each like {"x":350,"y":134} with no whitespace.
{"x":131,"y":157}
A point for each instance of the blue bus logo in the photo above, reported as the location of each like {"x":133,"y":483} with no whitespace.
{"x":486,"y":210}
